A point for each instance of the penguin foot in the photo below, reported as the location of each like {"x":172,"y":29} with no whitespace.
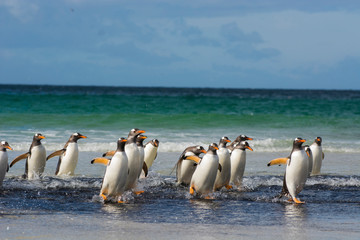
{"x":138,"y":192}
{"x":297,"y":200}
{"x":228,"y":187}
{"x":103,"y":196}
{"x":192,"y":191}
{"x":209,"y":197}
{"x":121,"y":201}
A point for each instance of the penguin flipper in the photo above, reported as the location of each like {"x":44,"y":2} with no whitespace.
{"x":100,"y":160}
{"x":323,"y":155}
{"x":194,"y":158}
{"x":56,"y":153}
{"x":145,"y":169}
{"x":7,"y":169}
{"x":109,"y":154}
{"x":278,"y":161}
{"x":220,"y":167}
{"x":18,"y":158}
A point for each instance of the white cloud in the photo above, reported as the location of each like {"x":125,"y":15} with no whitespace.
{"x":303,"y":39}
{"x":20,"y":9}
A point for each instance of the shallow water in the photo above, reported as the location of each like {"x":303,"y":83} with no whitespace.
{"x":70,"y":208}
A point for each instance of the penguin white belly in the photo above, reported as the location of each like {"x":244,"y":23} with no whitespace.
{"x":187,"y":169}
{"x":204,"y":176}
{"x":317,"y":158}
{"x":150,"y":153}
{"x":141,"y":160}
{"x":3,"y":166}
{"x":132,"y":154}
{"x":115,"y":175}
{"x":238,"y":162}
{"x":69,"y":160}
{"x":36,"y":161}
{"x":296,"y":172}
{"x":223,"y":177}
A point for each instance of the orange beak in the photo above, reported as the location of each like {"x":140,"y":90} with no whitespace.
{"x":249,"y":138}
{"x":249,"y":148}
{"x":140,"y":131}
{"x":203,"y":151}
{"x":216,"y":148}
{"x":227,"y":140}
{"x":124,"y":140}
{"x":303,"y":140}
{"x":8,"y":147}
{"x":82,"y":136}
{"x":41,"y":137}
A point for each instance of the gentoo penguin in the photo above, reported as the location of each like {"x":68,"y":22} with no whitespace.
{"x":114,"y":181}
{"x":150,"y":150}
{"x":223,"y":177}
{"x":139,"y":143}
{"x":318,"y":155}
{"x":134,"y":161}
{"x":4,"y":165}
{"x":35,"y":158}
{"x":69,"y":156}
{"x":238,"y":162}
{"x":310,"y":157}
{"x":239,"y":139}
{"x":296,"y":172}
{"x":185,"y":167}
{"x":203,"y":179}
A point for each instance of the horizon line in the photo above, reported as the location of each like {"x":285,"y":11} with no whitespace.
{"x":173,"y":87}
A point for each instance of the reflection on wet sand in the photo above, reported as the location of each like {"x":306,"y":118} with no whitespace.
{"x":295,"y":219}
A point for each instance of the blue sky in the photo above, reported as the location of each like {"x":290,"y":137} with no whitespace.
{"x":197,"y":43}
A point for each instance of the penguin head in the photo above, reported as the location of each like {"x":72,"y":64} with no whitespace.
{"x":298,"y":142}
{"x":223,"y":141}
{"x":76,"y":136}
{"x":135,"y":131}
{"x":199,"y":150}
{"x":243,"y":138}
{"x":38,"y":137}
{"x":307,"y":150}
{"x":121,"y":144}
{"x":243,"y":146}
{"x":155,"y":142}
{"x":140,"y":139}
{"x":5,"y":145}
{"x":318,"y":141}
{"x":212,"y":148}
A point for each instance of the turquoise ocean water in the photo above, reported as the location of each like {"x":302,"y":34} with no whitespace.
{"x":69,"y":208}
{"x":178,"y":116}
